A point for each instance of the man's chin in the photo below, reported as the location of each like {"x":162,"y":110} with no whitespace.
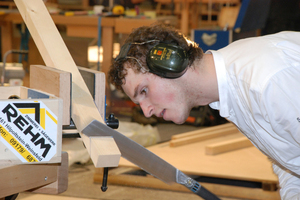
{"x":178,"y":121}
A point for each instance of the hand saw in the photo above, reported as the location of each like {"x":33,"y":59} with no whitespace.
{"x":147,"y":160}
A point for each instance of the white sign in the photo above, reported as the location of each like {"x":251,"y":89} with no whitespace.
{"x":28,"y":129}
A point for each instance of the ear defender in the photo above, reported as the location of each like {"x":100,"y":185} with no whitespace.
{"x":167,"y":60}
{"x":164,"y":60}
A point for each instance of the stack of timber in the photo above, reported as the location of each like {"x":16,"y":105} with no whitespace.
{"x":222,"y":158}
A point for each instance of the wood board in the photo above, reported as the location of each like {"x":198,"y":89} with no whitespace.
{"x":203,"y":134}
{"x":131,"y":177}
{"x":42,"y":178}
{"x":247,"y":164}
{"x":59,"y":83}
{"x":53,"y":81}
{"x":95,"y":81}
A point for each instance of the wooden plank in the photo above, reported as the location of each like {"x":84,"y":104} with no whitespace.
{"x":125,"y":25}
{"x":247,"y":164}
{"x":53,"y":81}
{"x":61,"y":184}
{"x":116,"y":178}
{"x":203,"y":130}
{"x":55,"y":54}
{"x":228,"y":145}
{"x":203,"y":136}
{"x":7,"y":40}
{"x":52,"y":197}
{"x":105,"y":145}
{"x":6,"y":92}
{"x":95,"y":80}
{"x":82,"y":31}
{"x":58,"y":83}
{"x":20,"y":178}
{"x":184,"y":22}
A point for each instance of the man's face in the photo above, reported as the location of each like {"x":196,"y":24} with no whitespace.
{"x":157,"y":96}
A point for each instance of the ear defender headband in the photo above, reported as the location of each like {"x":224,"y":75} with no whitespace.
{"x":164,"y":60}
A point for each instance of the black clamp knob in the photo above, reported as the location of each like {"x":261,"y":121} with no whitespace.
{"x":112,"y":122}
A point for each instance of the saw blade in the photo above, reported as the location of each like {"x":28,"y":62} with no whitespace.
{"x":147,"y":160}
{"x":134,"y":152}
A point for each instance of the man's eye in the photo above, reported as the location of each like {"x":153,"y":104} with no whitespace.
{"x":144,"y":91}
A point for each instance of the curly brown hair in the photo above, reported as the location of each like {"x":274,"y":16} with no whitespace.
{"x":160,"y":32}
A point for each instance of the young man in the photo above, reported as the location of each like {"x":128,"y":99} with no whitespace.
{"x":254,"y":83}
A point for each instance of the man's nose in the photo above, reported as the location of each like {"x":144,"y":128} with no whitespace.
{"x":147,"y":109}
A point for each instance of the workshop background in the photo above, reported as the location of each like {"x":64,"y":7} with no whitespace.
{"x":238,"y":173}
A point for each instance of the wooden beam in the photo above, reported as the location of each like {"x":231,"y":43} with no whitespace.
{"x":203,"y":130}
{"x":105,"y":145}
{"x":184,"y":22}
{"x":126,"y":26}
{"x":53,"y":81}
{"x":55,"y":54}
{"x":203,"y":136}
{"x":6,"y":40}
{"x":228,"y":145}
{"x":20,"y":178}
{"x":95,"y":80}
{"x":61,"y":184}
{"x":116,"y":178}
{"x":58,"y":83}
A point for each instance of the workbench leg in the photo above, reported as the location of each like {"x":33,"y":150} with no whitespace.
{"x":195,"y":16}
{"x":107,"y":45}
{"x":185,"y":18}
{"x":7,"y":40}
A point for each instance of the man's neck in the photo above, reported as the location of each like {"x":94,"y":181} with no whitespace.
{"x":202,"y":80}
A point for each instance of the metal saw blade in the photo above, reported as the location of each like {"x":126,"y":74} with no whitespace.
{"x":134,"y":152}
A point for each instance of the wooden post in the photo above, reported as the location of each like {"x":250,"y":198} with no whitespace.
{"x":53,"y":81}
{"x":39,"y":178}
{"x":185,"y":18}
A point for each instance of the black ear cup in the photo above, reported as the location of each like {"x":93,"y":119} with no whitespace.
{"x":167,"y":60}
{"x":164,"y":60}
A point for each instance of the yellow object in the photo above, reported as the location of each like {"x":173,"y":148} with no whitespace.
{"x":118,"y":10}
{"x":151,"y":14}
{"x":130,"y":13}
{"x":69,"y":14}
